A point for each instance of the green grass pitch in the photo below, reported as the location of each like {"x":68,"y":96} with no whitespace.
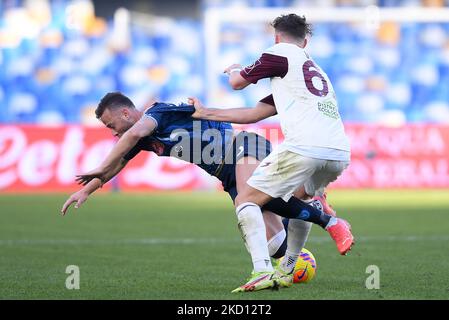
{"x":187,"y":246}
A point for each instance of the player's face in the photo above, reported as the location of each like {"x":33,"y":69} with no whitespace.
{"x":118,"y":121}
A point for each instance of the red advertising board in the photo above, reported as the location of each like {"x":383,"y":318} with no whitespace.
{"x":34,"y":158}
{"x":40,"y":159}
{"x":412,"y":156}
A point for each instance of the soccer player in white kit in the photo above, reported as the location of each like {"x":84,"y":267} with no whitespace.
{"x":314,"y":153}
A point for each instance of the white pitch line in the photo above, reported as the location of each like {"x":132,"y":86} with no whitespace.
{"x":144,"y":241}
{"x":194,"y":241}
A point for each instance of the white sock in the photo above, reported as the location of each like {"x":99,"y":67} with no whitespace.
{"x":276,"y":241}
{"x":298,"y":231}
{"x":252,"y":228}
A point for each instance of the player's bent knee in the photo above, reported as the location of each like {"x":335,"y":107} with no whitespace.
{"x":240,"y":199}
{"x":246,"y":195}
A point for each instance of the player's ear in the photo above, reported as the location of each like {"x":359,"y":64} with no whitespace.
{"x":125,"y":113}
{"x":305,"y":43}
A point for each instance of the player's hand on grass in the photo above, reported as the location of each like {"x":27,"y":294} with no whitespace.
{"x":84,"y":179}
{"x":199,"y":108}
{"x":78,"y":198}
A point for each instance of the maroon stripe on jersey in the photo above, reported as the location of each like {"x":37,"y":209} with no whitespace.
{"x":268,"y":100}
{"x":267,"y":66}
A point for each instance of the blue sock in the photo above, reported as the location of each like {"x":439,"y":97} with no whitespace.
{"x":281,"y":251}
{"x":285,"y":223}
{"x":307,"y":212}
{"x":297,"y":209}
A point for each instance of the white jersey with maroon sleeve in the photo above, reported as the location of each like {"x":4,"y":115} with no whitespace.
{"x":305,"y":101}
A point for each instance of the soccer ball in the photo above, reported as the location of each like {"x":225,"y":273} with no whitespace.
{"x":305,"y":267}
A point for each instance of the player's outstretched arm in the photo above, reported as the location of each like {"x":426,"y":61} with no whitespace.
{"x":81,"y":196}
{"x":236,"y":81}
{"x":267,"y":66}
{"x":144,"y":127}
{"x":235,"y":115}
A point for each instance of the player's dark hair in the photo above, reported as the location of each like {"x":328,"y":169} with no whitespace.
{"x":292,"y":25}
{"x":113,"y":100}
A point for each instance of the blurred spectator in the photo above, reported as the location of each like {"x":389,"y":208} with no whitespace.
{"x":58,"y":58}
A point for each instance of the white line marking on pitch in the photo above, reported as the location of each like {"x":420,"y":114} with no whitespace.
{"x":193,"y":241}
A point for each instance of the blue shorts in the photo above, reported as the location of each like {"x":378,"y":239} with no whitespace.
{"x":246,"y":144}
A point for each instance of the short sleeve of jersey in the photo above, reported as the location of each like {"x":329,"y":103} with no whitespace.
{"x":156,"y":116}
{"x":268,"y":100}
{"x":267,"y":66}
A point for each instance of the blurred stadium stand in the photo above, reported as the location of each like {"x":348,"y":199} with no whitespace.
{"x":58,"y":58}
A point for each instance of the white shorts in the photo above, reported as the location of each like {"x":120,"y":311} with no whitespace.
{"x":283,"y":172}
